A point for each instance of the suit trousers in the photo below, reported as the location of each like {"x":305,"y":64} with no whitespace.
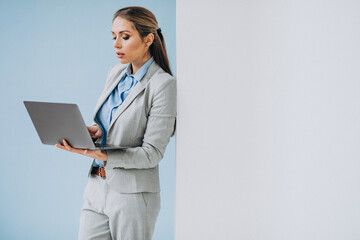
{"x":108,"y":214}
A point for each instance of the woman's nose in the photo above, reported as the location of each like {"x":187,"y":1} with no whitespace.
{"x":117,"y":43}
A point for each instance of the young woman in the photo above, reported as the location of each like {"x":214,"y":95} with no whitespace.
{"x":137,"y":108}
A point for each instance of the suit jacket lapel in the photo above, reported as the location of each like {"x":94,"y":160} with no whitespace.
{"x":140,"y":86}
{"x":107,"y":92}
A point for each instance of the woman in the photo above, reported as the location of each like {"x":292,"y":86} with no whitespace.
{"x":137,"y":109}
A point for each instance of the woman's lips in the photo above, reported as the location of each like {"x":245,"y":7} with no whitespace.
{"x":119,"y":54}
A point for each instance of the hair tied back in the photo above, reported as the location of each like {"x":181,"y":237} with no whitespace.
{"x":144,"y":21}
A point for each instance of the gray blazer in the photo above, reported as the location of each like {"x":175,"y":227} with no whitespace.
{"x":145,"y":122}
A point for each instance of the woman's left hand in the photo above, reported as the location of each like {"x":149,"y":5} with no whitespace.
{"x":96,"y":154}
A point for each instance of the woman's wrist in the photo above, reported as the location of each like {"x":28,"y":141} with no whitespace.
{"x":103,"y":156}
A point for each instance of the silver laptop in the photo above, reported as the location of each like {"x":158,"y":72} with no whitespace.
{"x":57,"y":121}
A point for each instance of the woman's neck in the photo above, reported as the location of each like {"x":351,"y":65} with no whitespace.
{"x":136,"y":65}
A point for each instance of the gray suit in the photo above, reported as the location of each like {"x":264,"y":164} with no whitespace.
{"x":144,"y":122}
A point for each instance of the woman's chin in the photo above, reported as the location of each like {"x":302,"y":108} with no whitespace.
{"x":123,"y":61}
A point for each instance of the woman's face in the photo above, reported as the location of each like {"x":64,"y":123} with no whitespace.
{"x":129,"y":47}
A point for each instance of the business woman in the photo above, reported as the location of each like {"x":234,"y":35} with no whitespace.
{"x":137,"y":108}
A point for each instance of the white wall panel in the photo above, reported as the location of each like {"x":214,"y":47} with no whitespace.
{"x":268,"y":120}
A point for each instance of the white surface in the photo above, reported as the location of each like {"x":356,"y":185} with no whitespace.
{"x":268,"y":120}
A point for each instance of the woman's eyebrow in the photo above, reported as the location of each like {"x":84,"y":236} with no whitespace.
{"x":121,"y":31}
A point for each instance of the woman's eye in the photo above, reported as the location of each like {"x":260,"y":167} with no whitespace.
{"x":124,"y":37}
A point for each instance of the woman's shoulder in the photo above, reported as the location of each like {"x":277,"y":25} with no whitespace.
{"x":114,"y":71}
{"x":161,"y":77}
{"x":161,"y":82}
{"x":118,"y":67}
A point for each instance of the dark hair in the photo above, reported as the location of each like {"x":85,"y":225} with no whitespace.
{"x":145,"y":22}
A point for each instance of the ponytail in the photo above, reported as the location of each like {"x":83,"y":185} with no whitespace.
{"x":158,"y":51}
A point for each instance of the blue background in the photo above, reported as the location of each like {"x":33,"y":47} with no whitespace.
{"x":60,"y":51}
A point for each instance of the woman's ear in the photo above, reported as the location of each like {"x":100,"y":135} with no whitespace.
{"x":149,"y":39}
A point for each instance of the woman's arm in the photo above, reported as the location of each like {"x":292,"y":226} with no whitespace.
{"x":159,"y":128}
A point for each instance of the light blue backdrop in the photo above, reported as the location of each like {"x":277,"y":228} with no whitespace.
{"x":60,"y":51}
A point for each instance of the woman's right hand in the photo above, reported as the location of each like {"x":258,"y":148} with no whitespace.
{"x":95,"y":131}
